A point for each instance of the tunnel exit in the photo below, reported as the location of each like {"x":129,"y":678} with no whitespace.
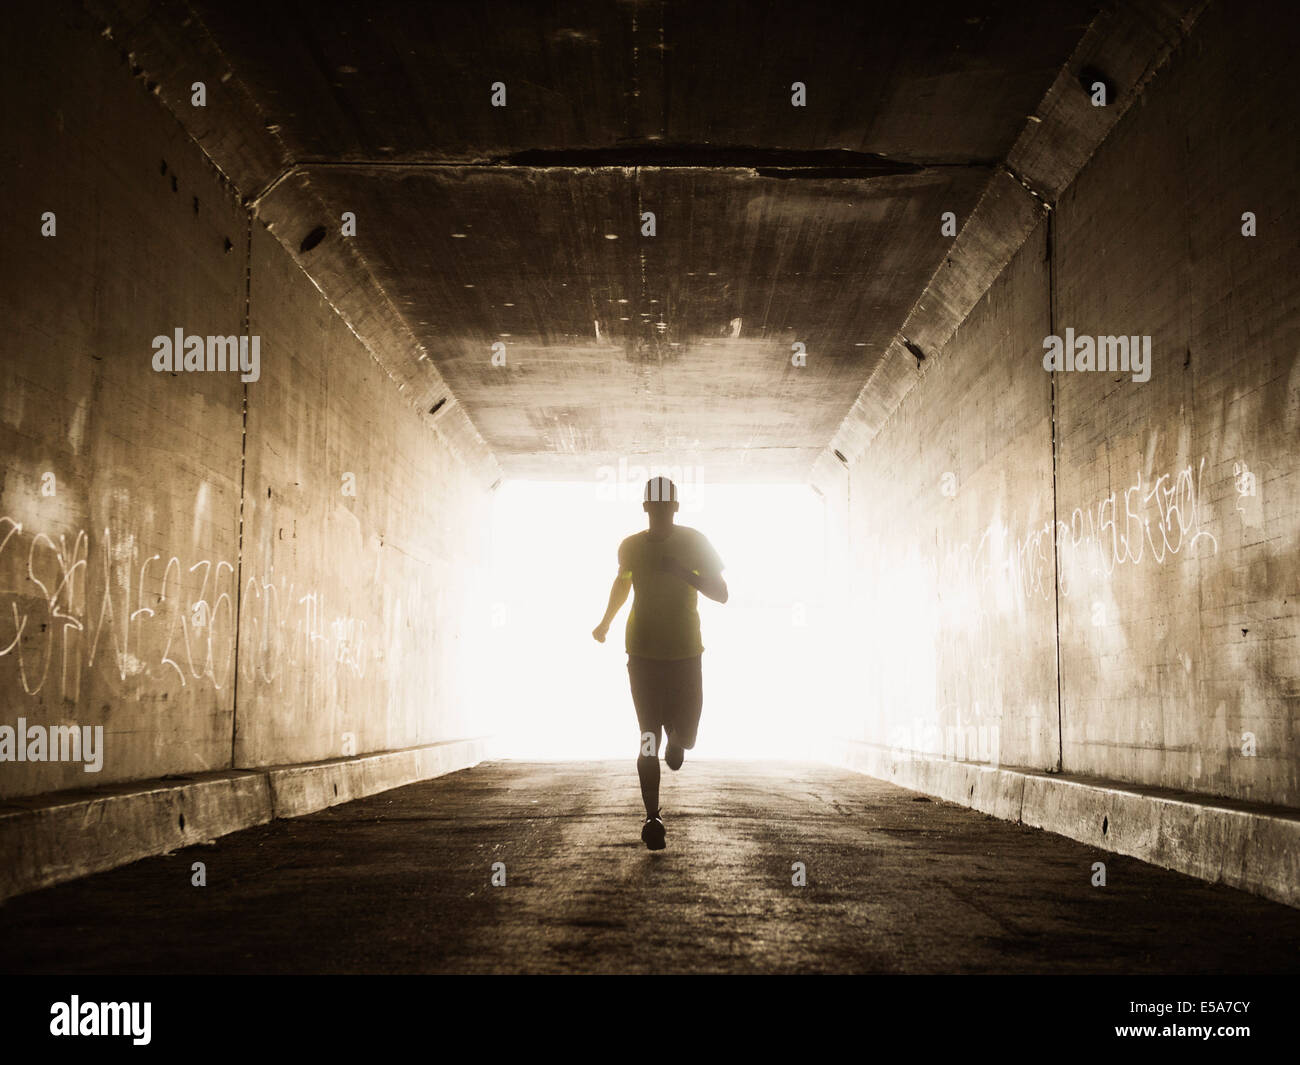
{"x":773,"y":664}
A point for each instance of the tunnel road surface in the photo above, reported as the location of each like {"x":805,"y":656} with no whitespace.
{"x":403,"y":882}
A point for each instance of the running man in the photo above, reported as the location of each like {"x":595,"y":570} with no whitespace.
{"x":664,"y":566}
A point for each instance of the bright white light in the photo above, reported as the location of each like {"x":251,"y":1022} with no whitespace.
{"x":553,"y":692}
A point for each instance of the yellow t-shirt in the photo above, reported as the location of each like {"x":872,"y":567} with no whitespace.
{"x":664,"y":622}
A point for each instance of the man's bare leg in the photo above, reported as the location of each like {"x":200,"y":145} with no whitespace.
{"x":647,"y":768}
{"x":674,"y":753}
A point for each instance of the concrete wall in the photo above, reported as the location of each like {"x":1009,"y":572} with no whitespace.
{"x":951,"y":548}
{"x":1180,"y":574}
{"x":1176,"y":504}
{"x":125,"y":600}
{"x":363,"y":541}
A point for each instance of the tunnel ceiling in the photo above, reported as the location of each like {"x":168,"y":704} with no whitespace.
{"x":775,"y":225}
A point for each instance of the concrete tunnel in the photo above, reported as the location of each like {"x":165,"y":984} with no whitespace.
{"x":340,"y":341}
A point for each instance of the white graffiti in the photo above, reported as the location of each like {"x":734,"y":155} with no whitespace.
{"x":1148,"y":520}
{"x":65,"y":608}
{"x":941,"y":658}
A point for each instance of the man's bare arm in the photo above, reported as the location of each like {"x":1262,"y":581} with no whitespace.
{"x":710,"y":584}
{"x":618,"y":593}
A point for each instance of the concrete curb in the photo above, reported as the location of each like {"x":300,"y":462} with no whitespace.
{"x":49,"y":839}
{"x":1251,"y":847}
{"x":302,"y":789}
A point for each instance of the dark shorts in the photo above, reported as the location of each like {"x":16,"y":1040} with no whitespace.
{"x":669,"y":694}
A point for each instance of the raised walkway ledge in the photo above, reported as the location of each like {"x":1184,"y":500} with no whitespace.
{"x":1251,"y":846}
{"x":47,"y":839}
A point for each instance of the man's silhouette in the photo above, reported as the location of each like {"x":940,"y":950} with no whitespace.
{"x":664,"y":566}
